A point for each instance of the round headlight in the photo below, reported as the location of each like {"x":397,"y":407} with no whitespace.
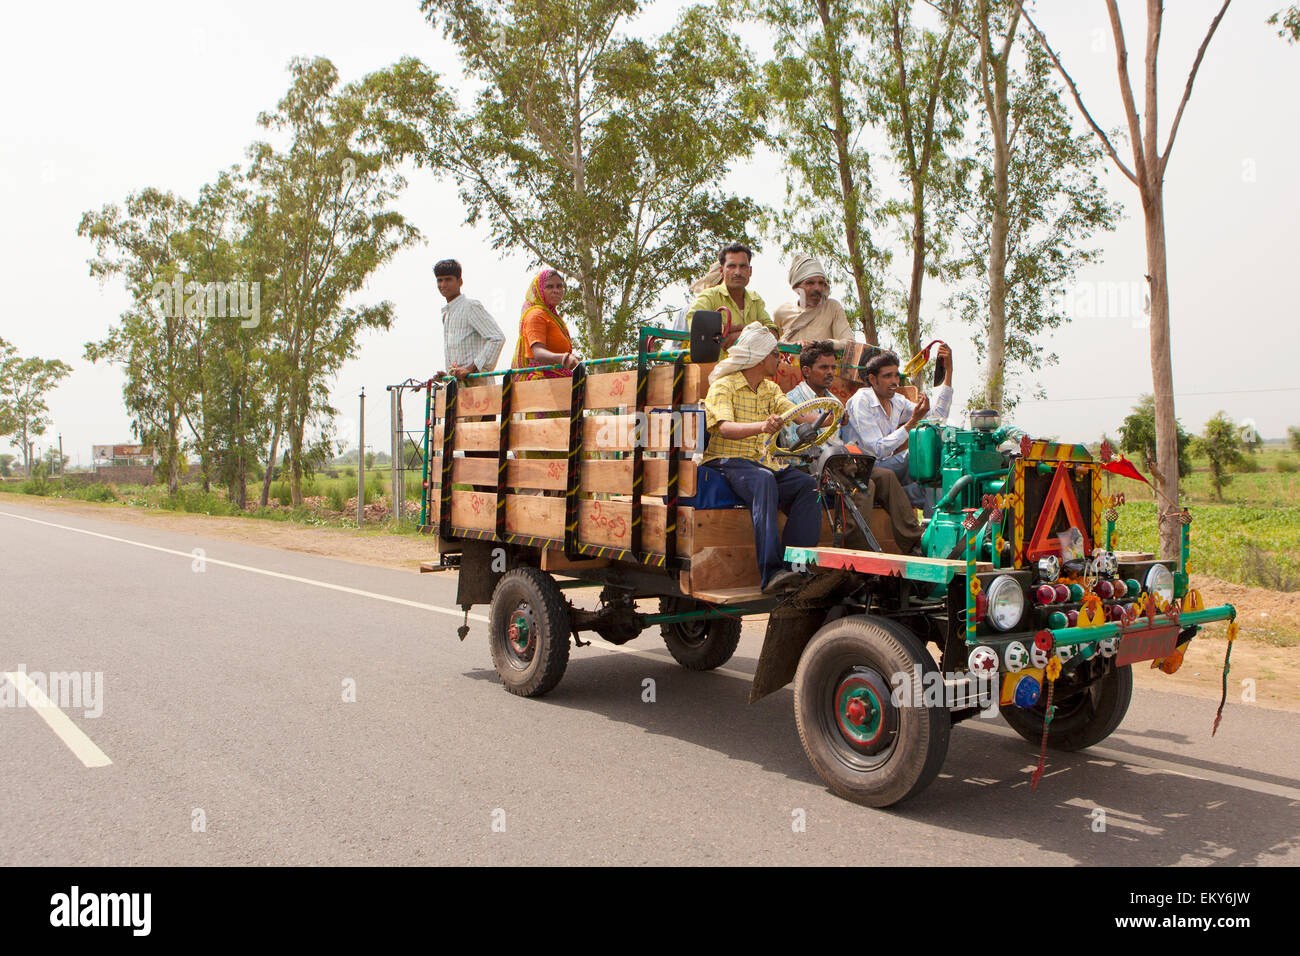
{"x":1007,"y":602}
{"x":1160,"y":580}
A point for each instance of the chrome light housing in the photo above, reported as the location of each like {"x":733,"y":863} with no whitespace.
{"x":1049,"y":568}
{"x":1160,"y":580}
{"x":1007,"y":602}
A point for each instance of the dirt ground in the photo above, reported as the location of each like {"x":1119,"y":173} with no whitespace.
{"x":1269,"y":620}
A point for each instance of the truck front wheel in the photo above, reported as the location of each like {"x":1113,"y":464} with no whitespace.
{"x":870,"y":744}
{"x":1082,"y":719}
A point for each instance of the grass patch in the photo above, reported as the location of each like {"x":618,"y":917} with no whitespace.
{"x":1246,"y":545}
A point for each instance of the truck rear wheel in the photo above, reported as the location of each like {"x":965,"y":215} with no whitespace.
{"x":866,"y":746}
{"x":528,"y":632}
{"x":1081,"y":720}
{"x":699,"y":645}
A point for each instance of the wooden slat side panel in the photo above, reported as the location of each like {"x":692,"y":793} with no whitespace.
{"x":542,"y":395}
{"x":476,"y":436}
{"x":440,"y":403}
{"x":611,"y":390}
{"x":475,"y":510}
{"x":734,"y":528}
{"x":618,"y":389}
{"x":614,"y":476}
{"x":729,"y":567}
{"x":536,"y":515}
{"x":659,"y":390}
{"x":609,"y":523}
{"x":541,"y":434}
{"x":607,"y":476}
{"x":607,"y":433}
{"x":478,"y":400}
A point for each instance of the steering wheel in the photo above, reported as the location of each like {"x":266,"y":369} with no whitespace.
{"x":827,"y":404}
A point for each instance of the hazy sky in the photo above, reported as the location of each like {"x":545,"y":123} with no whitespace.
{"x":104,"y":99}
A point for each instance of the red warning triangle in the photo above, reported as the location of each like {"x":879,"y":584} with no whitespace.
{"x":1061,"y":493}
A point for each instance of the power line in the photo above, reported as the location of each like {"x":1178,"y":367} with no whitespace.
{"x":1107,"y":398}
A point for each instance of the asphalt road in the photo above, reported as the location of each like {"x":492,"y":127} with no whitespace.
{"x":231,"y":742}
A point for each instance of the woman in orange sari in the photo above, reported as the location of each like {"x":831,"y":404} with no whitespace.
{"x":543,"y":339}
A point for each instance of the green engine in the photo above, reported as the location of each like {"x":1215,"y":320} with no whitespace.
{"x":962,"y":466}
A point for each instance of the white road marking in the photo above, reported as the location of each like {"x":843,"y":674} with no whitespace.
{"x":59,"y":722}
{"x":189,"y":556}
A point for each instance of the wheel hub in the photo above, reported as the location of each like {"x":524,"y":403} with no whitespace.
{"x":862,"y":710}
{"x":521,"y":636}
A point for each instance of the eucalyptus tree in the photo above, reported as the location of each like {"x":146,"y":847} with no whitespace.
{"x":817,"y":91}
{"x":1147,"y":173}
{"x":598,"y":154}
{"x":1036,"y":201}
{"x":143,"y":243}
{"x":919,"y":91}
{"x":24,"y":383}
{"x":328,"y":226}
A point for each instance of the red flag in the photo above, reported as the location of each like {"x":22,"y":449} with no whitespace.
{"x":1122,"y":466}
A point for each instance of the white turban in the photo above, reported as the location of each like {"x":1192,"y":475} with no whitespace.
{"x":708,"y":280}
{"x":756,"y":343}
{"x":804,"y":267}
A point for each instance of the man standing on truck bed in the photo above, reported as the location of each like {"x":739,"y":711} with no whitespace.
{"x":471,"y":338}
{"x":732,"y":295}
{"x":742,"y":408}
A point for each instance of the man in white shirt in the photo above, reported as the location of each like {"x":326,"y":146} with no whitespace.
{"x":817,"y":363}
{"x":471,"y":339}
{"x":878,"y":418}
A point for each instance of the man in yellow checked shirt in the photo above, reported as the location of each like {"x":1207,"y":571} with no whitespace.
{"x":743,"y":407}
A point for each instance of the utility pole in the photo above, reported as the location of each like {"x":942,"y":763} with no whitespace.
{"x":60,"y":454}
{"x":361,"y":462}
{"x":395,"y":423}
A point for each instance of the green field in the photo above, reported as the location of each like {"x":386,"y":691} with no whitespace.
{"x":1251,"y":537}
{"x":326,"y":501}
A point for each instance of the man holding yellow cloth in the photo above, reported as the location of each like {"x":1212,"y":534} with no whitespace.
{"x":743,"y":407}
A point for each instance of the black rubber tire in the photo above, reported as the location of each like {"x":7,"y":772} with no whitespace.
{"x":699,"y":645}
{"x":1085,"y":719}
{"x":914,"y":744}
{"x":536,"y":669}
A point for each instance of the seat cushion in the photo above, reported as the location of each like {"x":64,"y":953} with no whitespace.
{"x":712,"y":490}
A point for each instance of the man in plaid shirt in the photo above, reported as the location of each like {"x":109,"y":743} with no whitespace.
{"x":471,"y":338}
{"x":743,"y":407}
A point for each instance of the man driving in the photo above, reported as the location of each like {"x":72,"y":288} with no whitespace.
{"x":742,"y":408}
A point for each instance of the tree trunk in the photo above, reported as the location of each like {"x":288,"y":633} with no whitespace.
{"x":275,"y":449}
{"x":297,"y":424}
{"x":173,"y":451}
{"x":590,"y":308}
{"x":918,"y":273}
{"x":997,"y":343}
{"x":1162,"y":374}
{"x":849,"y":189}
